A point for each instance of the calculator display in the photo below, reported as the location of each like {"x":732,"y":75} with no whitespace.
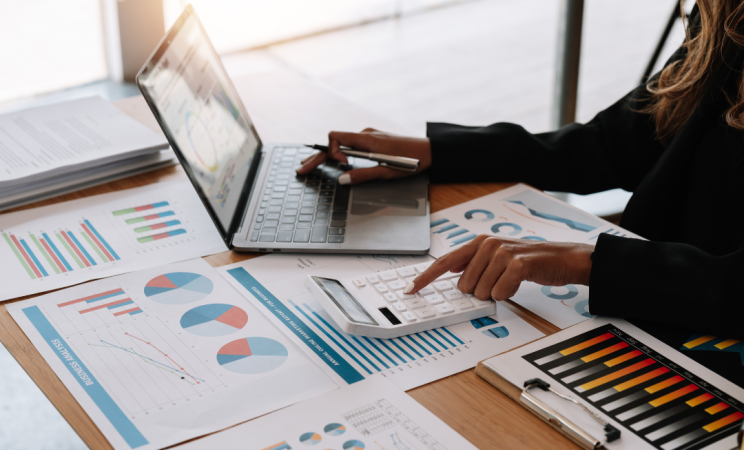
{"x":345,"y":302}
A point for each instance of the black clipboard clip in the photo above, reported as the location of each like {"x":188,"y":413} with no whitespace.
{"x":552,"y":416}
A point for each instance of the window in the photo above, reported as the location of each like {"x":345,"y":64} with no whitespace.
{"x":50,"y":45}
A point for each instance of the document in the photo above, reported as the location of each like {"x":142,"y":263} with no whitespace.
{"x":275,"y":286}
{"x":163,"y":355}
{"x":372,"y":414}
{"x":64,"y":244}
{"x":47,"y":141}
{"x":521,"y":212}
{"x":653,"y":393}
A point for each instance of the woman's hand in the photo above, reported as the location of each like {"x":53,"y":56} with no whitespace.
{"x":494,"y":267}
{"x":375,"y":141}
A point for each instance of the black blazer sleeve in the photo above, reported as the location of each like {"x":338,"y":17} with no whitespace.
{"x":672,"y":283}
{"x":616,"y":149}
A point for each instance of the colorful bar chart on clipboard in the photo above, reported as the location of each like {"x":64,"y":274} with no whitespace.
{"x":659,"y":401}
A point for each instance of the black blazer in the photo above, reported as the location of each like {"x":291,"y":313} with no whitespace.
{"x":688,"y":200}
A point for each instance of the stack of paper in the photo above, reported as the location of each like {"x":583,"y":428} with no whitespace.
{"x":68,"y":146}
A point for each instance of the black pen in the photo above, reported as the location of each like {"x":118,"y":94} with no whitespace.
{"x":393,"y":162}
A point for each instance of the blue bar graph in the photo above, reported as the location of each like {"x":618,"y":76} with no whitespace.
{"x":82,"y":249}
{"x":57,"y":252}
{"x":103,"y":241}
{"x":457,"y":233}
{"x":446,"y":228}
{"x":436,"y":223}
{"x":467,"y":238}
{"x":33,"y":257}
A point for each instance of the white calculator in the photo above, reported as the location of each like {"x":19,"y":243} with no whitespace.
{"x":375,"y":305}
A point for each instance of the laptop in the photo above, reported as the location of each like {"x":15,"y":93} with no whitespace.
{"x":250,"y":188}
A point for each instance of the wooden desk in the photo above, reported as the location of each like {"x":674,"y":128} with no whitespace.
{"x":288,"y":108}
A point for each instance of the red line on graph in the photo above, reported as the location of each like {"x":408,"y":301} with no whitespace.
{"x":74,"y":247}
{"x":120,"y":313}
{"x":166,"y":355}
{"x":53,"y":255}
{"x":96,"y":308}
{"x":25,"y":256}
{"x":98,"y":243}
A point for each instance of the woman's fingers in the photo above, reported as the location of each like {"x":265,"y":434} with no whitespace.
{"x":453,"y":259}
{"x":311,"y":162}
{"x":357,"y":176}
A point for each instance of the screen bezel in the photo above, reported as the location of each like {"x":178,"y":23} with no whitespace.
{"x":240,"y":211}
{"x":341,"y":308}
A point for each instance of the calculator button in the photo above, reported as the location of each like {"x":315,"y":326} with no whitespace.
{"x":358,"y":282}
{"x":452,"y":295}
{"x":397,"y":284}
{"x":390,"y":297}
{"x":409,"y":317}
{"x":404,"y":296}
{"x":400,"y":307}
{"x":463,"y":304}
{"x":420,"y":268}
{"x":388,"y":276}
{"x":426,"y":291}
{"x":409,"y":280}
{"x":455,"y":281}
{"x":434,"y":299}
{"x":442,"y":285}
{"x":481,"y":302}
{"x":372,"y":279}
{"x":406,"y":271}
{"x":426,"y":313}
{"x":445,"y":309}
{"x":415,"y":303}
{"x":381,"y":288}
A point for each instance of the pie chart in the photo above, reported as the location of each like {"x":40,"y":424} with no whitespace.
{"x":573,"y":291}
{"x":310,"y":438}
{"x":178,"y":288}
{"x":335,"y":429}
{"x":353,"y":445}
{"x":214,"y":320}
{"x":515,"y":229}
{"x":252,"y":355}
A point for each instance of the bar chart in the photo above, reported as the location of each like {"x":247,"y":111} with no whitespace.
{"x":143,"y":225}
{"x":109,"y":307}
{"x":40,"y":256}
{"x":654,"y":398}
{"x":373,"y":355}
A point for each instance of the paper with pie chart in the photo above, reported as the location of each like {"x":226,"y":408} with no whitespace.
{"x":371,"y":415}
{"x":521,"y":212}
{"x":165,"y":355}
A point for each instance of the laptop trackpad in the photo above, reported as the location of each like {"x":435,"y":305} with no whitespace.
{"x":401,"y":197}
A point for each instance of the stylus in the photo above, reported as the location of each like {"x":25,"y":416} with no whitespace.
{"x":393,"y":162}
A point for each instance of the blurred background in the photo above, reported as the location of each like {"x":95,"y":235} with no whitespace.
{"x":472,"y":62}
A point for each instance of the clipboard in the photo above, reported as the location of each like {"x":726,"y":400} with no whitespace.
{"x":522,"y":395}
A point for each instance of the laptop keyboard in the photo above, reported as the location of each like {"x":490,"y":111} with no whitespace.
{"x":301,"y":209}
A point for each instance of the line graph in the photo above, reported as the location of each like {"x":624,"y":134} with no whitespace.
{"x":144,"y":364}
{"x":152,"y":361}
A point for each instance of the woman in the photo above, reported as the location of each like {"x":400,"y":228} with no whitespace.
{"x":677,"y":143}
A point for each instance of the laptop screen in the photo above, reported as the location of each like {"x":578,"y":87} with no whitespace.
{"x":200,"y":112}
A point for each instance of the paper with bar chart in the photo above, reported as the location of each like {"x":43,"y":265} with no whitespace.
{"x":151,"y":371}
{"x":521,"y":212}
{"x":68,"y":243}
{"x":654,"y":394}
{"x":275,"y":285}
{"x":370,"y":415}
